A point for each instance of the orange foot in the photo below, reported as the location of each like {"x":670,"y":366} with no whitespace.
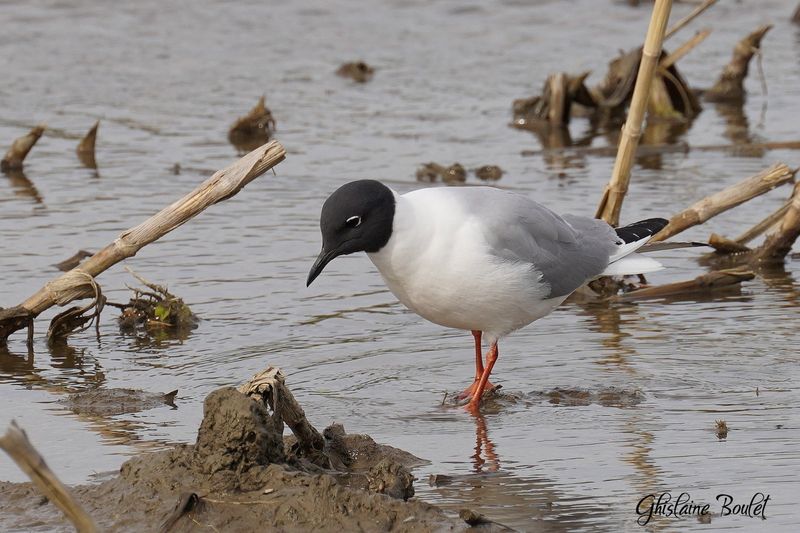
{"x":469,"y":391}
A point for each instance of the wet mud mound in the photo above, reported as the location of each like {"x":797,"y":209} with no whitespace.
{"x":243,"y":475}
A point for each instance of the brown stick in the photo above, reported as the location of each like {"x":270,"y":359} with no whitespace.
{"x":269,"y":386}
{"x":614,"y":193}
{"x":221,"y":186}
{"x":688,"y":18}
{"x":780,"y":243}
{"x":730,"y":85}
{"x":716,"y":280}
{"x":764,"y":181}
{"x":726,"y":246}
{"x":16,"y":444}
{"x":685,"y":48}
{"x":20,"y":148}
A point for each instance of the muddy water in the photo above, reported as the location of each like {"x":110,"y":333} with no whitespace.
{"x":168,"y":80}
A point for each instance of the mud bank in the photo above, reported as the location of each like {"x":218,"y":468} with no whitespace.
{"x":243,"y":475}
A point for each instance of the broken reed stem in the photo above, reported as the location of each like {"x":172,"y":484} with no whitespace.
{"x":86,"y":148}
{"x":688,"y":18}
{"x":685,"y":48}
{"x":779,"y":244}
{"x":20,"y":147}
{"x":771,"y":219}
{"x":730,"y":85}
{"x":87,"y":143}
{"x":718,"y":279}
{"x":16,"y":444}
{"x":764,"y":181}
{"x":614,"y":193}
{"x":222,"y":185}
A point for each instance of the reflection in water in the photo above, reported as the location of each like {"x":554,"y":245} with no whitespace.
{"x":781,"y":282}
{"x":607,"y":318}
{"x":657,"y":133}
{"x":75,"y":372}
{"x":554,"y":138}
{"x":525,"y":503}
{"x":22,"y":185}
{"x":16,"y":367}
{"x":737,"y":129}
{"x":484,"y":448}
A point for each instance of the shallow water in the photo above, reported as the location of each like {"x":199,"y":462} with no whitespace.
{"x":167,"y":80}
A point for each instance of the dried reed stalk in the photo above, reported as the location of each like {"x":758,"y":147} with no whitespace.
{"x":688,"y":18}
{"x":20,"y":148}
{"x":718,"y":279}
{"x":614,"y":193}
{"x":779,"y":244}
{"x":685,"y":48}
{"x":16,"y":444}
{"x":764,"y":181}
{"x":73,"y":284}
{"x":769,"y":221}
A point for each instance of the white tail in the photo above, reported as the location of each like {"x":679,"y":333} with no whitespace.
{"x":632,"y":264}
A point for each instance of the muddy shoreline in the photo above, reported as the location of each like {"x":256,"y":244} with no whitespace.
{"x":243,"y":474}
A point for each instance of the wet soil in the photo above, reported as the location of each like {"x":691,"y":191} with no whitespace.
{"x":239,"y":477}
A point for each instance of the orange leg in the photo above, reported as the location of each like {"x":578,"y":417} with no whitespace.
{"x":470,"y":391}
{"x":491,"y":359}
{"x":478,"y":355}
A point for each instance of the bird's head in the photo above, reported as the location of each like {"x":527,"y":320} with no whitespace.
{"x":357,"y":217}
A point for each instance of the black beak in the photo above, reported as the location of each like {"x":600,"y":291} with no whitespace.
{"x":323,"y":259}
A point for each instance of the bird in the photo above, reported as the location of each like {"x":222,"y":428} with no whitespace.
{"x":479,"y":259}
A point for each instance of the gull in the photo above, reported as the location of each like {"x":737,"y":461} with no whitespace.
{"x":479,"y":259}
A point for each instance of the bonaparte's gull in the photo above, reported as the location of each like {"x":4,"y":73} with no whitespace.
{"x":479,"y":259}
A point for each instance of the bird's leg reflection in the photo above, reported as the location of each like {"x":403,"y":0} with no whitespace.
{"x":485,"y":458}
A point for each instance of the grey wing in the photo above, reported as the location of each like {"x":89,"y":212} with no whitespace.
{"x":568,"y":251}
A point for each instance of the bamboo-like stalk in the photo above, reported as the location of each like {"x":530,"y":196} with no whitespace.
{"x":16,"y":444}
{"x":20,"y":147}
{"x":764,"y":181}
{"x":614,"y":193}
{"x":73,"y":284}
{"x":688,"y":18}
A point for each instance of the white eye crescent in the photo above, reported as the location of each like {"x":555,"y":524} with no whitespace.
{"x":353,"y":222}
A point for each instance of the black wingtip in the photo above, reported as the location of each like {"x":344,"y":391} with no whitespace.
{"x":642,"y":229}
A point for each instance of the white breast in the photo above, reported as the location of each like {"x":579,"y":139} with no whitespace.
{"x":437,"y":264}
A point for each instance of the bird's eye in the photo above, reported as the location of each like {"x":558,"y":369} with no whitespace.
{"x":353,"y":222}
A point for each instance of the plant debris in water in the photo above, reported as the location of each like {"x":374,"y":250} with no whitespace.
{"x":489,"y":173}
{"x":357,"y":71}
{"x":154,"y":309}
{"x":722,"y":429}
{"x":254,"y":129}
{"x":112,"y":402}
{"x":431,"y":172}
